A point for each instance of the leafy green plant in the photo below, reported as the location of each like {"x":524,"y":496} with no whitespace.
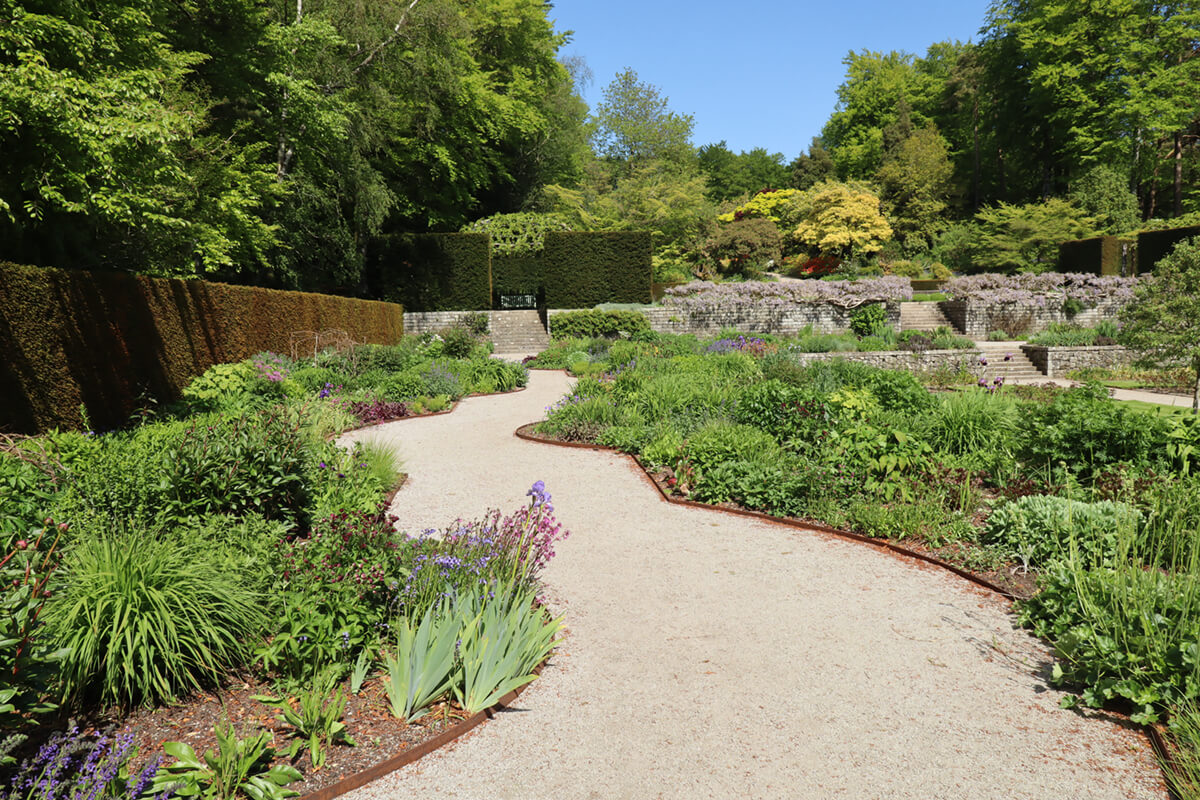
{"x":240,"y":767}
{"x":725,"y":441}
{"x":503,"y":638}
{"x":316,"y":720}
{"x":1038,"y":529}
{"x":589,"y":324}
{"x":1121,"y":632}
{"x":144,"y":620}
{"x":421,"y":669}
{"x":28,"y":664}
{"x":974,"y":422}
{"x":865,"y":319}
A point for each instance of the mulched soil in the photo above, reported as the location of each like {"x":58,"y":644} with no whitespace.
{"x":377,"y":734}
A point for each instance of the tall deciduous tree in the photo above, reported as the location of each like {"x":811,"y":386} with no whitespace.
{"x":634,"y":123}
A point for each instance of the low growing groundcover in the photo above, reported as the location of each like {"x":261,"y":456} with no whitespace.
{"x":216,"y":601}
{"x":1085,"y":508}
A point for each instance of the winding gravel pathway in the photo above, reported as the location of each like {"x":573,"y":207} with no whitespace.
{"x":714,"y":656}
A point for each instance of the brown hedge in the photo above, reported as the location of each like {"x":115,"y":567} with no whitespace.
{"x":111,"y":341}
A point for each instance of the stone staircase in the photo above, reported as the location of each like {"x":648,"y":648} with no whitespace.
{"x":922,"y":317}
{"x":517,"y":332}
{"x":1017,"y":369}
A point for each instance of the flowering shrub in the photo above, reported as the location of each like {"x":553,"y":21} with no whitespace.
{"x":76,"y":765}
{"x":706,"y":296}
{"x":1048,"y":289}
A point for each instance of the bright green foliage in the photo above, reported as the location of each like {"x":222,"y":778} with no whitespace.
{"x":421,"y":670}
{"x":916,"y":181}
{"x":1103,"y":193}
{"x":1083,"y":433}
{"x":106,"y":155}
{"x":146,"y":620}
{"x":239,"y":768}
{"x":1025,"y":238}
{"x":590,"y":324}
{"x":1163,"y":322}
{"x":779,"y":206}
{"x":633,"y":123}
{"x":1122,"y":633}
{"x":317,"y":723}
{"x":1038,"y":529}
{"x":842,"y":220}
{"x":731,"y":176}
{"x":517,"y":234}
{"x":503,"y":639}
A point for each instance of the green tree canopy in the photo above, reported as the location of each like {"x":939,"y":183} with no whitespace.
{"x":634,"y":123}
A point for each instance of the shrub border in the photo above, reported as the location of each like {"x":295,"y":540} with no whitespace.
{"x":1153,"y":733}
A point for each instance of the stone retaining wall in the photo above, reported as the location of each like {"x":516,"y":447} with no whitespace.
{"x":1056,"y":362}
{"x":929,"y":361}
{"x":977,"y":320}
{"x":433,"y":321}
{"x":821,"y":317}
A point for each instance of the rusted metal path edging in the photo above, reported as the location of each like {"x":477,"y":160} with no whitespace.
{"x":525,"y":432}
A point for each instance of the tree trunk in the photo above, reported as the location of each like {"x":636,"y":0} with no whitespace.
{"x":1196,"y":393}
{"x":1177,"y":154}
{"x":975,"y":148}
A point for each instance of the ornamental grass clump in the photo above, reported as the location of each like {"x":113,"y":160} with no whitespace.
{"x":145,"y":620}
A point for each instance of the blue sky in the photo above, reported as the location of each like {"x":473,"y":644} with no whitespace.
{"x":756,"y":73}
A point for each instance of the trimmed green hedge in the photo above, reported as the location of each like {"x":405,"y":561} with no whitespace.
{"x":590,"y":324}
{"x":1100,"y":255}
{"x":516,"y":273}
{"x":111,"y":341}
{"x":1153,"y":245}
{"x":431,"y":271}
{"x":585,"y":269}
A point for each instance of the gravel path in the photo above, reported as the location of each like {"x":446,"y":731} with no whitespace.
{"x":714,"y":656}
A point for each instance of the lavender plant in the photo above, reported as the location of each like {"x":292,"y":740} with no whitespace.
{"x":72,"y":766}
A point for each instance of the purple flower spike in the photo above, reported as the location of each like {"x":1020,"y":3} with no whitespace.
{"x":983,"y":382}
{"x":983,"y":361}
{"x":1008,"y":356}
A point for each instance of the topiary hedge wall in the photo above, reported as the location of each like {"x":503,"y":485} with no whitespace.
{"x":431,"y":271}
{"x":1153,"y":245}
{"x":584,"y":269}
{"x":112,"y":342}
{"x":1100,"y":255}
{"x":516,"y":273}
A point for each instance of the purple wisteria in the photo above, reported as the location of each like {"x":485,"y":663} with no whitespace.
{"x":706,"y":296}
{"x":1045,"y":289}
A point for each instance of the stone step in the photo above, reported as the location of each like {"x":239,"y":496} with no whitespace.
{"x":518,"y":331}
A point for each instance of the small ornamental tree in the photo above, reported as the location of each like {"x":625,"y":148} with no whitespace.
{"x":1163,"y":321}
{"x":842,"y":220}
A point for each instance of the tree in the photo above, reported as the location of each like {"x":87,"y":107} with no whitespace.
{"x":842,"y":220}
{"x":1104,"y":193}
{"x":809,"y":169}
{"x":730,"y":176}
{"x":916,"y":181}
{"x":633,"y":123}
{"x":1163,"y":321}
{"x":1026,"y":237}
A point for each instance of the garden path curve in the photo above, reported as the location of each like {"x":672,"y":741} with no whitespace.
{"x":710,"y":655}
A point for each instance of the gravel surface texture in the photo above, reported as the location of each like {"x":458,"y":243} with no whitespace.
{"x":710,"y":655}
